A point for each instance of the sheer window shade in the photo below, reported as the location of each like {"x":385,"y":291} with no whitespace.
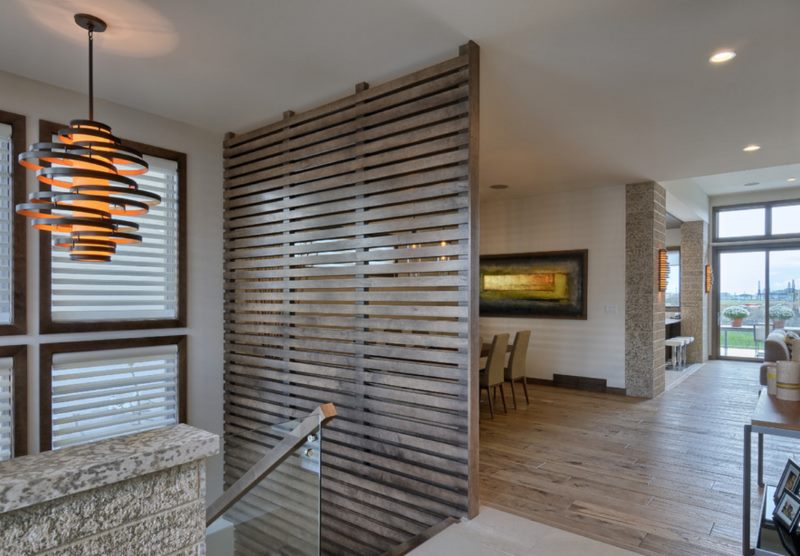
{"x":141,"y":281}
{"x":6,"y":215}
{"x":107,"y":393}
{"x":6,"y":408}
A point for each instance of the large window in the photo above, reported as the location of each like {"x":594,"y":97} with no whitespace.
{"x":773,"y":220}
{"x":144,"y":284}
{"x":100,"y":390}
{"x":672,"y":297}
{"x":13,"y":402}
{"x":12,"y":226}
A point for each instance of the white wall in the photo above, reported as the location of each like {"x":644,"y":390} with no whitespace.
{"x":591,"y":219}
{"x":36,"y":100}
{"x":674,"y":237}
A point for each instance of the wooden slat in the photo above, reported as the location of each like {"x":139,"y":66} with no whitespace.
{"x":349,"y":241}
{"x":395,"y":86}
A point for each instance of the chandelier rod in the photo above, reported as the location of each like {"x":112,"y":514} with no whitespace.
{"x":91,"y":71}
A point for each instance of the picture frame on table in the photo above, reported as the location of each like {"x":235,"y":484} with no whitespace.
{"x":790,"y":479}
{"x":787,"y":511}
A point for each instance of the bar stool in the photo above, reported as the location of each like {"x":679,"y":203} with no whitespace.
{"x":676,"y":350}
{"x":684,"y":348}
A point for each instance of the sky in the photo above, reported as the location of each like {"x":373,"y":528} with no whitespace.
{"x":741,"y":271}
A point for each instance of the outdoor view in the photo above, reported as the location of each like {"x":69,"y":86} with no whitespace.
{"x":745,"y":318}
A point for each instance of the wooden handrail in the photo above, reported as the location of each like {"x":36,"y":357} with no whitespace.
{"x":263,"y":467}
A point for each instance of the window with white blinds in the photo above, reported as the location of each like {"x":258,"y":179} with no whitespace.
{"x":6,"y":408}
{"x":107,"y":393}
{"x":6,"y":214}
{"x":141,"y":281}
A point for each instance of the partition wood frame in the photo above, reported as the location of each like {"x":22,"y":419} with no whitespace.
{"x":351,"y":268}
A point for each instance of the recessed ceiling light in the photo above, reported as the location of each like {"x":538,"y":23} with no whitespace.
{"x":722,"y":56}
{"x":752,"y":148}
{"x":751,"y":183}
{"x":498,"y":186}
{"x":791,"y":180}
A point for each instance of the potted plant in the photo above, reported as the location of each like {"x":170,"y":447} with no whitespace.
{"x":736,"y":314}
{"x":779,"y":315}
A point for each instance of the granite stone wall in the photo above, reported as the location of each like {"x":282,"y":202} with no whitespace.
{"x":645,"y":234}
{"x":141,"y":494}
{"x":159,"y":513}
{"x":694,"y":299}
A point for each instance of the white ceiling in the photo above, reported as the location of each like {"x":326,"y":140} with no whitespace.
{"x":575,"y":93}
{"x":744,"y":181}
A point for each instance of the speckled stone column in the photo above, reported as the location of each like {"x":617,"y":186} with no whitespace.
{"x":694,"y":300}
{"x":645,"y":234}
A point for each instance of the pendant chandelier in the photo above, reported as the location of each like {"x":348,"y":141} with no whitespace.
{"x":88,"y":172}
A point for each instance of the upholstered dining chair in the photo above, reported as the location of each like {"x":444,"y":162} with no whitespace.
{"x":492,"y":375}
{"x":515,"y":371}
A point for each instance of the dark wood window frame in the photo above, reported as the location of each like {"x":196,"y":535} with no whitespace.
{"x":19,"y":397}
{"x":47,"y":325}
{"x":767,"y":235}
{"x":18,"y":235}
{"x":46,"y":352}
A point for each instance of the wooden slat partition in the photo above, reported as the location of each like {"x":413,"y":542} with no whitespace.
{"x":350,"y":277}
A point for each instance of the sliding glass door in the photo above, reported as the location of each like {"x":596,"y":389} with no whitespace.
{"x":741,"y":303}
{"x":756,"y":294}
{"x":784,"y":272}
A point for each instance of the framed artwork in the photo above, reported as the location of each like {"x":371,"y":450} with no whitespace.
{"x":790,"y":479}
{"x":787,"y":511}
{"x":535,"y":285}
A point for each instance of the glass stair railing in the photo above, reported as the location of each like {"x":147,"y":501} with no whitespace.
{"x":273,"y":507}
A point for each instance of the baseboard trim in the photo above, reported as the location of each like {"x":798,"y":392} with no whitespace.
{"x":585,"y":384}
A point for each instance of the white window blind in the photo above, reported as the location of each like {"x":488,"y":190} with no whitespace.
{"x":6,"y":408}
{"x":6,"y":213}
{"x":141,"y":281}
{"x":102,"y":394}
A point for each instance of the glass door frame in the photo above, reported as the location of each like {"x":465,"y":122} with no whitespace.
{"x":716,"y":251}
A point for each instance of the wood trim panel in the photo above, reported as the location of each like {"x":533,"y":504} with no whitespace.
{"x":46,"y":352}
{"x":351,"y":250}
{"x":46,"y":324}
{"x":18,"y":234}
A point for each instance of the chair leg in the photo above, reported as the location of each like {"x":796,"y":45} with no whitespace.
{"x":513,"y":393}
{"x":489,"y":397}
{"x":503,"y":397}
{"x":525,"y":387}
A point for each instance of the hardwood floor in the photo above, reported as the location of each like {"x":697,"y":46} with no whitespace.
{"x":659,"y":476}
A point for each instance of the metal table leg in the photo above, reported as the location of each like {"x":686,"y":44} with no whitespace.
{"x":760,"y":459}
{"x":746,"y":492}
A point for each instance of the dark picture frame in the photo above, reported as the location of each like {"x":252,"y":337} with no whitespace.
{"x":790,"y":479}
{"x":787,"y":511}
{"x":549,"y":284}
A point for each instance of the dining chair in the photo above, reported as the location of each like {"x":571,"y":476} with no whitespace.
{"x":515,"y":371}
{"x":492,"y":375}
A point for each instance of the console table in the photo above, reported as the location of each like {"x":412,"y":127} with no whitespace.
{"x":771,"y":416}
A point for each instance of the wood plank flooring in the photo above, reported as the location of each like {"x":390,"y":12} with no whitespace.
{"x":656,"y":476}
